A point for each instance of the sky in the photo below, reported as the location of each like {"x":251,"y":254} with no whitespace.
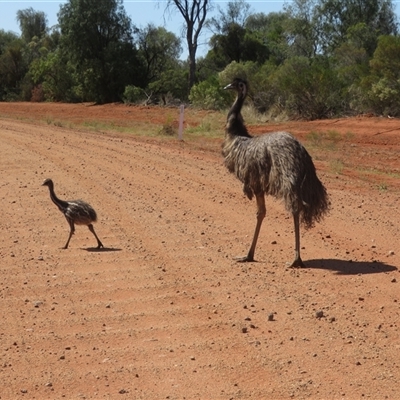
{"x":141,"y":12}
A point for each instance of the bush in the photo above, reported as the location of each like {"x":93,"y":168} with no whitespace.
{"x":132,"y":94}
{"x":308,"y":89}
{"x":209,"y":94}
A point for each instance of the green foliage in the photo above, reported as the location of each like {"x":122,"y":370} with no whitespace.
{"x":32,"y":23}
{"x":245,"y":70}
{"x":317,"y":59}
{"x":132,"y":94}
{"x":97,"y":37}
{"x":12,"y":69}
{"x":308,"y":89}
{"x":270,"y":30}
{"x":54,"y":73}
{"x":237,"y":44}
{"x":381,"y":88}
{"x":159,"y":50}
{"x":209,"y":94}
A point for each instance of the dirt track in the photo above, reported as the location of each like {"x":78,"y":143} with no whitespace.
{"x":164,"y":312}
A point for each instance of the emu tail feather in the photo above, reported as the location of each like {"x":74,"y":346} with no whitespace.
{"x":315,"y":201}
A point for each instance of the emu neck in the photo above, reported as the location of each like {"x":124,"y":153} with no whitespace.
{"x":61,"y":204}
{"x":235,"y":124}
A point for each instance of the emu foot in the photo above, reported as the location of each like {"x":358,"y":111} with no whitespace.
{"x":297,"y":263}
{"x":100,"y":245}
{"x":245,"y":259}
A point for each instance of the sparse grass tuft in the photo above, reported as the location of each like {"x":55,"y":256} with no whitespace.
{"x":336,"y":166}
{"x":349,"y":135}
{"x":211,"y":126}
{"x":169,"y":127}
{"x":327,"y":140}
{"x":382,"y":187}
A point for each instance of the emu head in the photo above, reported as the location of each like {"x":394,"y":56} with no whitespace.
{"x":48,"y":182}
{"x":239,"y":85}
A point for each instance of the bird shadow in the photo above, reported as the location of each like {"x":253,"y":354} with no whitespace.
{"x":343,"y":267}
{"x":101,"y":250}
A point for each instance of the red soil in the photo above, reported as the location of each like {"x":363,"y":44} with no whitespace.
{"x":164,"y":312}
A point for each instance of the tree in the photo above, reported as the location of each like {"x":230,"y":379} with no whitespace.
{"x":159,"y":48}
{"x":339,"y":16}
{"x":232,"y":40}
{"x":160,"y":51}
{"x":54,"y":74}
{"x":237,"y":12}
{"x":97,"y":35}
{"x":271,"y":31}
{"x":236,"y":44}
{"x":303,"y":28}
{"x":194,"y":13}
{"x":12,"y":68}
{"x":5,"y":39}
{"x":32,"y":23}
{"x":384,"y":81}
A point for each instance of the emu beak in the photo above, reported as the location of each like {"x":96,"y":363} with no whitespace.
{"x":230,"y":86}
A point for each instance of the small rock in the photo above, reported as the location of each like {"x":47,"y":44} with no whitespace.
{"x":391,"y":253}
{"x":319,"y":314}
{"x":122,"y":391}
{"x":393,"y":280}
{"x":244,"y":330}
{"x":24,"y":391}
{"x":271,"y":317}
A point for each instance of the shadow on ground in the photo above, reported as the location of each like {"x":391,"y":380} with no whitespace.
{"x":347,"y":267}
{"x":101,"y":250}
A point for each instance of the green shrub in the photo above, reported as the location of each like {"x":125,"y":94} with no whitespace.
{"x":209,"y":95}
{"x":132,"y":94}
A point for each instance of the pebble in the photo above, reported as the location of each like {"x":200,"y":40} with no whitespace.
{"x":319,"y":314}
{"x":271,"y":317}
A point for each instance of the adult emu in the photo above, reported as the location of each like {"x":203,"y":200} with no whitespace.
{"x":273,"y":164}
{"x":76,"y":212}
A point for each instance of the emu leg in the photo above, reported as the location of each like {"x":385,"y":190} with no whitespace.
{"x":297,"y":262}
{"x":99,"y":244}
{"x":261,"y":212}
{"x":71,"y":232}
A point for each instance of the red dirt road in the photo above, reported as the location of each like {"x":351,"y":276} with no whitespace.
{"x":164,"y":312}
